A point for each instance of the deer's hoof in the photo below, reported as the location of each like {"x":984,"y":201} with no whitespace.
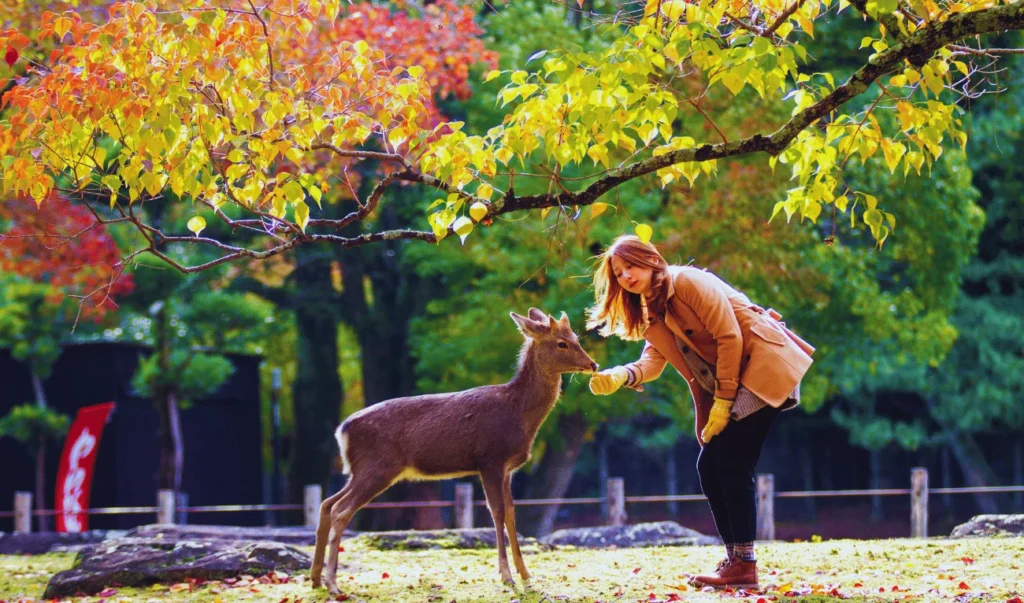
{"x":333,"y":589}
{"x":508,"y":581}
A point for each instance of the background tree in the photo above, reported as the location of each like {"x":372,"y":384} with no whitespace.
{"x":35,"y":426}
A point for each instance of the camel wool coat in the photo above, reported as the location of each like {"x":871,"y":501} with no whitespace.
{"x":745,"y":343}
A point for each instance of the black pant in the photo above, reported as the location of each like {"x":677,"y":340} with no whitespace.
{"x":726,"y":467}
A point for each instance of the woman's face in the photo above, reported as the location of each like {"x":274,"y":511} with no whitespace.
{"x":635,"y":279}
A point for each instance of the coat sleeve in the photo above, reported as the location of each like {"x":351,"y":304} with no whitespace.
{"x":702,"y":293}
{"x":649,"y":366}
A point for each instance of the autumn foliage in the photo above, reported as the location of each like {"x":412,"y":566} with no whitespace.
{"x":61,"y":244}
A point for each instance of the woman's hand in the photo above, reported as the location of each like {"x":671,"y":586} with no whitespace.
{"x":608,"y":380}
{"x":717,"y":419}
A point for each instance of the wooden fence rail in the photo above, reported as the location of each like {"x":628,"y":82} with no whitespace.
{"x":169,"y":509}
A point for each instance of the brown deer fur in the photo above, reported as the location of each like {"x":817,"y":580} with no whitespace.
{"x":486,"y":431}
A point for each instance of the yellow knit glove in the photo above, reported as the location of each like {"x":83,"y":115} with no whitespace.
{"x":608,"y":380}
{"x":717,"y":419}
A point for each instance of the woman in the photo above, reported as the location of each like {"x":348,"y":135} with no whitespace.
{"x":742,"y":365}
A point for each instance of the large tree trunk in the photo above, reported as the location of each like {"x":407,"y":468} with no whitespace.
{"x":555,"y":474}
{"x":317,"y":391}
{"x":976,"y":470}
{"x":172,"y":448}
{"x":380,"y":318}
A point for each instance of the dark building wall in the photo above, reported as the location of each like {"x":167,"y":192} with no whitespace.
{"x":223,"y":463}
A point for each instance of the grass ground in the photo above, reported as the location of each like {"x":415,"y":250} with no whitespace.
{"x":989,"y":570}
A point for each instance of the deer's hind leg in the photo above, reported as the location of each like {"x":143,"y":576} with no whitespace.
{"x":495,"y":493}
{"x":323,"y":530}
{"x":365,"y":486}
{"x":510,"y":524}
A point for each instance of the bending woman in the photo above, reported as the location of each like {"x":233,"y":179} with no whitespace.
{"x":742,"y":365}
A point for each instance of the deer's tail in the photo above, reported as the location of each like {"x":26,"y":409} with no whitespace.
{"x":342,"y":437}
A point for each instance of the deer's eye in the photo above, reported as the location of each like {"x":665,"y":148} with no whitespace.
{"x":563,"y":345}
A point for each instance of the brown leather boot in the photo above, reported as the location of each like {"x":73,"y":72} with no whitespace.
{"x":730,"y":573}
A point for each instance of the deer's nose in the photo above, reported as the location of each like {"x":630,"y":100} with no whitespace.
{"x":593,"y":365}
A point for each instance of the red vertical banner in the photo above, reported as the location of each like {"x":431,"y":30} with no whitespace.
{"x":74,"y":475}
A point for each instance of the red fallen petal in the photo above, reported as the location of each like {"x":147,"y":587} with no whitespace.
{"x":652,"y":597}
{"x":962,"y":586}
{"x":107,"y":592}
{"x":341,"y":597}
{"x":857,"y":585}
{"x":1014,"y":600}
{"x":895,"y":588}
{"x":636,"y":571}
{"x":762,"y":600}
{"x":881,"y":589}
{"x":673,"y":597}
{"x":967,"y":560}
{"x":341,"y":549}
{"x":11,"y":57}
{"x":834,"y":593}
{"x":385,"y":576}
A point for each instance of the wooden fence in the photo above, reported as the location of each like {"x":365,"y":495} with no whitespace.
{"x":615,"y":496}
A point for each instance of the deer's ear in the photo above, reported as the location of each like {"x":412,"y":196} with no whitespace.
{"x":564,"y":321}
{"x":529,"y":327}
{"x":537,"y":315}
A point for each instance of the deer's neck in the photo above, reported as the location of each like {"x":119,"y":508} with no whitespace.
{"x":535,"y":388}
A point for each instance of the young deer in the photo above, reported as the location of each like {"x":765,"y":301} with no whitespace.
{"x":486,"y":430}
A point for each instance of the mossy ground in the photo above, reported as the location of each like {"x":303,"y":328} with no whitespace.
{"x":983,"y":570}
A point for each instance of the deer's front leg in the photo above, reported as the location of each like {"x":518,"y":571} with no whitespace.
{"x":492,"y":481}
{"x":510,"y":524}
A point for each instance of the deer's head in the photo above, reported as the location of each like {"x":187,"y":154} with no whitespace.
{"x":556,"y":346}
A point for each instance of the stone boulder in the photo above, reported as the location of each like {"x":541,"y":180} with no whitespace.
{"x":37,"y":543}
{"x":477,"y":538}
{"x":663,"y":533}
{"x":301,"y":536}
{"x":990,"y":525}
{"x":146,"y":561}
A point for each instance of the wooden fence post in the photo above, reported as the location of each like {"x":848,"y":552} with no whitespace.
{"x":165,"y":506}
{"x":765,"y":506}
{"x":463,"y":506}
{"x":23,"y":512}
{"x":919,"y":502}
{"x":312,"y":496}
{"x":615,"y":493}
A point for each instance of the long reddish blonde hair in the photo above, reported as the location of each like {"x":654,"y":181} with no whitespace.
{"x":617,"y":311}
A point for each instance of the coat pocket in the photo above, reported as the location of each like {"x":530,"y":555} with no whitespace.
{"x":768,"y":333}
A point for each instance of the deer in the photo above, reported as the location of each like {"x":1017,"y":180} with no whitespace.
{"x":486,"y":431}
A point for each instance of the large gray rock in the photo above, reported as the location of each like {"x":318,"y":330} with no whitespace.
{"x":294,"y":535}
{"x":663,"y":533}
{"x":146,"y":561}
{"x":37,"y":543}
{"x":477,"y":538}
{"x":990,"y":525}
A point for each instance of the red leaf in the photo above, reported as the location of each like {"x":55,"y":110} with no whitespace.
{"x":636,"y":571}
{"x":341,"y":597}
{"x":341,"y":549}
{"x":858,"y":585}
{"x":881,"y":589}
{"x":762,"y":600}
{"x":11,"y":57}
{"x":652,"y":597}
{"x":1014,"y":600}
{"x":962,"y":586}
{"x":896,"y":588}
{"x":673,"y":597}
{"x":967,"y":560}
{"x":384,"y":576}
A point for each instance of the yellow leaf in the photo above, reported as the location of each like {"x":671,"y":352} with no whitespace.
{"x":294,"y":154}
{"x":301,"y":214}
{"x":196,"y":224}
{"x":477,"y":211}
{"x":544,"y":212}
{"x":416,"y":71}
{"x":597,"y":209}
{"x":492,"y":74}
{"x":462,"y":227}
{"x":644,"y":232}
